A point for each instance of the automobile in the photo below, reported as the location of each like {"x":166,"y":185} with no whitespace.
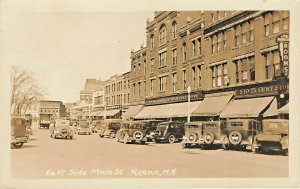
{"x":274,"y":137}
{"x":109,"y":127}
{"x":61,"y":129}
{"x":193,"y":134}
{"x":214,"y":133}
{"x":169,"y":132}
{"x":83,"y":128}
{"x":151,"y":126}
{"x":132,"y":131}
{"x":18,"y":132}
{"x":241,"y":132}
{"x":95,"y":126}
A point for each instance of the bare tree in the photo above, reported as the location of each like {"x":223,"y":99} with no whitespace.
{"x":24,"y":90}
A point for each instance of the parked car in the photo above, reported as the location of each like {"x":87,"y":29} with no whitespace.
{"x":193,"y":134}
{"x":214,"y":133}
{"x":83,"y":128}
{"x":241,"y":132}
{"x":18,"y":132}
{"x":169,"y":132}
{"x":275,"y":137}
{"x":109,"y":127}
{"x":132,"y":131}
{"x":151,"y":126}
{"x":61,"y":129}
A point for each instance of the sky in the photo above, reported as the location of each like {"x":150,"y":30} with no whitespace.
{"x":63,"y":49}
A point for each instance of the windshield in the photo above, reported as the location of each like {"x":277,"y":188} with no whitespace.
{"x":161,"y":127}
{"x":113,"y":125}
{"x":137,"y":126}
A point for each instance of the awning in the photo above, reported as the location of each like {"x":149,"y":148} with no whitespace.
{"x":212,"y":106}
{"x":95,"y":113}
{"x":244,"y":108}
{"x":284,"y":109}
{"x":167,"y":110}
{"x":132,"y":111}
{"x":109,"y":112}
{"x":272,"y":110}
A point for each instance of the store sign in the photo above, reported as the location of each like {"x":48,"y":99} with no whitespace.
{"x":174,"y":98}
{"x":283,"y":41}
{"x":263,"y":89}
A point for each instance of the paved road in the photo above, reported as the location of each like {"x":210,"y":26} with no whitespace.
{"x":93,"y":157}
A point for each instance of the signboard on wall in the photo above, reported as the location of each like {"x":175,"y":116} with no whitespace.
{"x":283,"y":41}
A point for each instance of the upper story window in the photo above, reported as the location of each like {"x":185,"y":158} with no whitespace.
{"x":134,"y":68}
{"x":152,"y":42}
{"x":245,"y":69}
{"x":285,"y":20}
{"x":163,"y":35}
{"x":273,"y":65}
{"x":139,"y":66}
{"x":163,"y":58}
{"x":184,"y":56}
{"x":245,"y":29}
{"x":199,"y":46}
{"x":184,"y":80}
{"x":163,"y":83}
{"x":174,"y":82}
{"x":152,"y":65}
{"x":219,"y":74}
{"x":267,"y":24}
{"x":174,"y":30}
{"x":238,"y":38}
{"x":218,"y":42}
{"x":251,"y":30}
{"x":174,"y":57}
{"x":145,"y":66}
{"x":194,"y":47}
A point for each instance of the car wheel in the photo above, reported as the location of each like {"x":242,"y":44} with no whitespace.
{"x":18,"y":144}
{"x":171,"y":139}
{"x":209,"y":138}
{"x":138,"y":135}
{"x":235,"y":138}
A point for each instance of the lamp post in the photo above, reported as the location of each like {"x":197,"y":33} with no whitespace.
{"x":189,"y":100}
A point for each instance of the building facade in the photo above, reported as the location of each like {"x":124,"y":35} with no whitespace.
{"x":213,"y":58}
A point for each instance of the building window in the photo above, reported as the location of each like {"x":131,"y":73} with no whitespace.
{"x":139,"y":66}
{"x":128,"y":83}
{"x":144,"y":88}
{"x":162,"y":58}
{"x":152,"y":42}
{"x":237,"y":35}
{"x":267,"y":24}
{"x":244,"y":32}
{"x":152,"y":65}
{"x":145,"y":66}
{"x":184,"y":80}
{"x":245,"y":69}
{"x":194,"y":77}
{"x":214,"y":44}
{"x":251,"y":32}
{"x":213,"y":69}
{"x":139,"y":89}
{"x":134,"y":68}
{"x":194,"y":47}
{"x":163,"y":83}
{"x":152,"y":87}
{"x":184,"y":52}
{"x":174,"y":82}
{"x":219,"y":41}
{"x":134,"y":91}
{"x":174,"y":57}
{"x":252,"y":68}
{"x":199,"y":76}
{"x":199,"y":46}
{"x":224,"y":40}
{"x":162,"y":35}
{"x":213,"y":18}
{"x":219,"y":73}
{"x":275,"y":17}
{"x":286,"y":20}
{"x":174,"y":30}
{"x":225,"y":74}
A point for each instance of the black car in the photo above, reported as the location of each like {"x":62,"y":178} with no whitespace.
{"x":150,"y":126}
{"x":169,"y":132}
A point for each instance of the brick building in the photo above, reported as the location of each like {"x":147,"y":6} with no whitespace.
{"x":223,"y":56}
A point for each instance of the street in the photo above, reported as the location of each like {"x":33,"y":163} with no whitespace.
{"x":89,"y":156}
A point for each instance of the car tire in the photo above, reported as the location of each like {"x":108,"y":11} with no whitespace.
{"x":138,"y":133}
{"x":208,"y":138}
{"x":235,"y":138}
{"x":193,"y":135}
{"x":171,"y":139}
{"x":18,"y":144}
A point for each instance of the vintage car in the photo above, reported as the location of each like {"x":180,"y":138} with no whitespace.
{"x":132,"y":131}
{"x":214,"y":133}
{"x":109,"y":127}
{"x":193,"y":134}
{"x":275,"y":137}
{"x":95,"y":126}
{"x":242,"y":131}
{"x":61,"y":129}
{"x":169,"y":132}
{"x":18,"y":132}
{"x":83,"y":128}
{"x":151,"y":126}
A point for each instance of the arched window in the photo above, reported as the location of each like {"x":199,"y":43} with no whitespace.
{"x":162,"y":35}
{"x":174,"y":30}
{"x":152,"y":41}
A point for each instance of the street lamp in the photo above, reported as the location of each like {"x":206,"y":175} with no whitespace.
{"x":189,"y":100}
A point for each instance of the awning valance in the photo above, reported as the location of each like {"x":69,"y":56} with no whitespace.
{"x":244,"y":108}
{"x":212,"y":106}
{"x":132,"y":111}
{"x":109,"y":112}
{"x":167,"y":110}
{"x":284,"y":109}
